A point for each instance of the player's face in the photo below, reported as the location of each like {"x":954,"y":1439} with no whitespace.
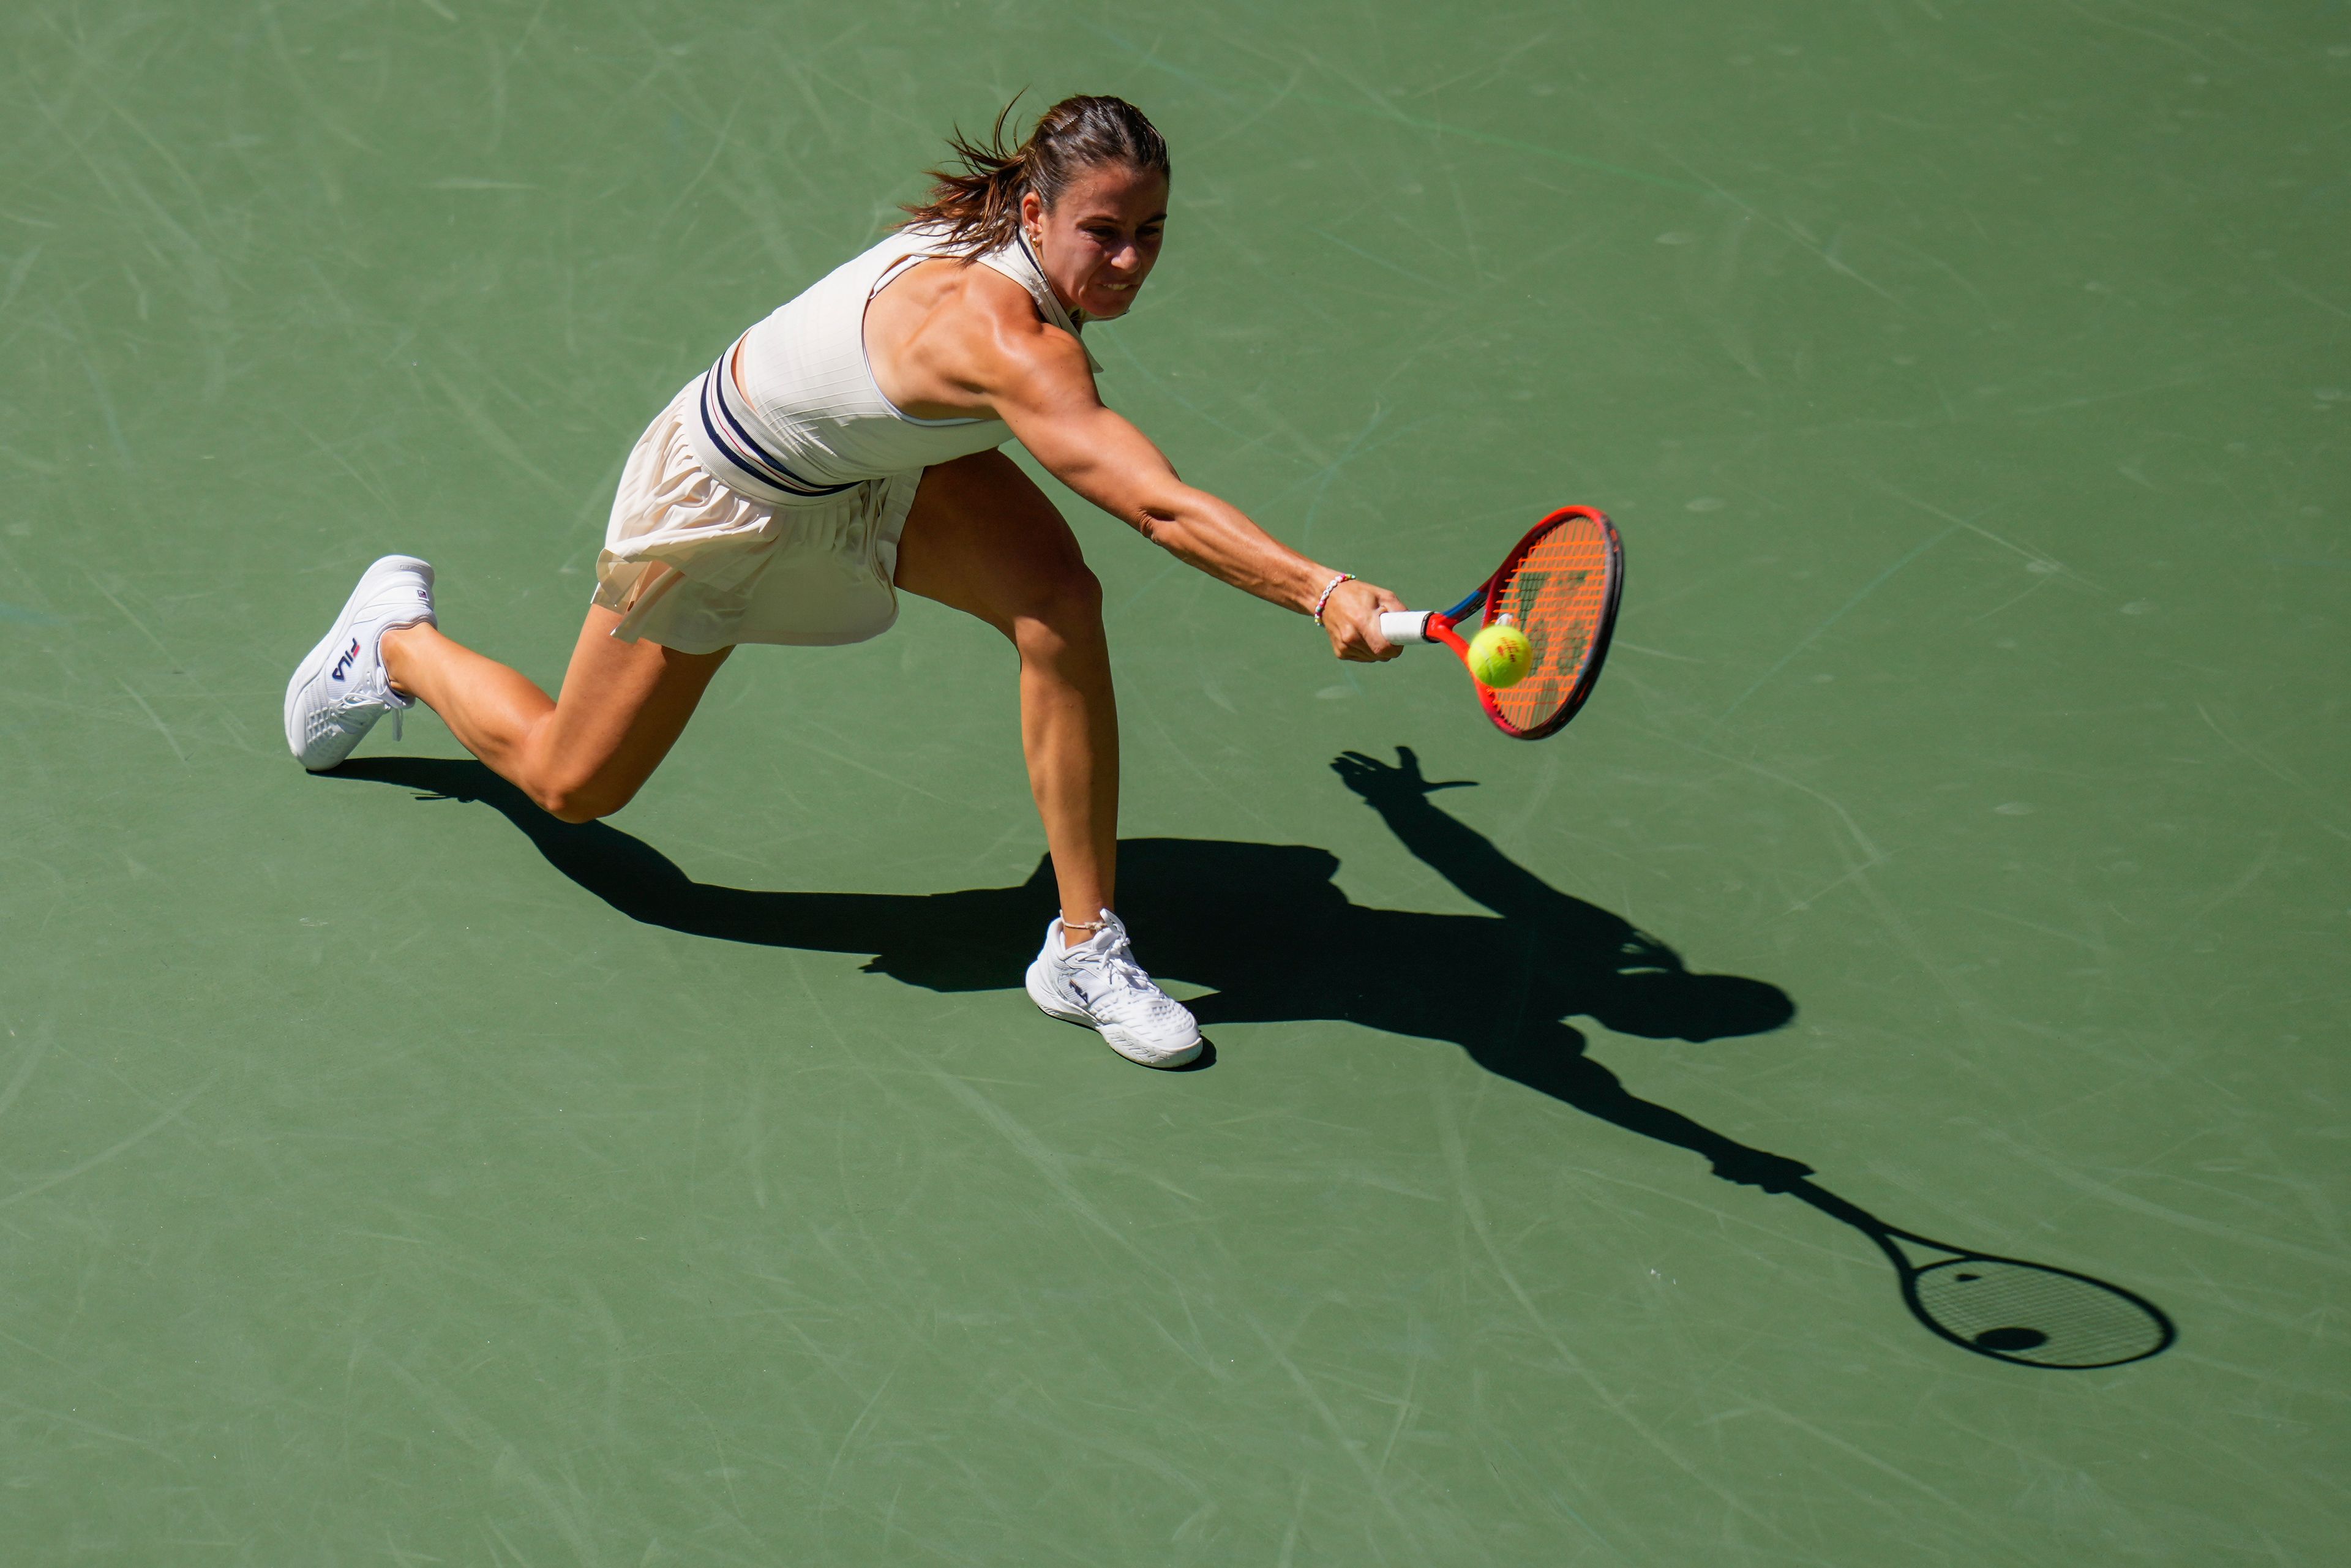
{"x":1101,"y":240}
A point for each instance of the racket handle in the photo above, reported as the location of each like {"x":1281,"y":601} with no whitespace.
{"x":1401,"y":626}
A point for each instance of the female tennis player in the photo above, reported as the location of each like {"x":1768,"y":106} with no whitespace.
{"x":845,"y":448}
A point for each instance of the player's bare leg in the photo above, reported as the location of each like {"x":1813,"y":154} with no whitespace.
{"x":582,"y":755}
{"x":983,"y":537}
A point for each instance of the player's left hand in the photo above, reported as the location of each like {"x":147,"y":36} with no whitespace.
{"x":1352,"y":619}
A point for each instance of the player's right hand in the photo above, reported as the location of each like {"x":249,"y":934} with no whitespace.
{"x":1352,"y":620}
{"x":1380,"y":784}
{"x":1760,"y":1167}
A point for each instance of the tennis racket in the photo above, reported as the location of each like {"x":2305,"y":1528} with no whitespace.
{"x":1559,"y":585}
{"x":2030,"y":1314}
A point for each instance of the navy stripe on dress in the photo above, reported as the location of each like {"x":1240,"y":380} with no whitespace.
{"x":729,"y":436}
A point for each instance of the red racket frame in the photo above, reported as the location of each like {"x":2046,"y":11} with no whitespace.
{"x":1441,"y":623}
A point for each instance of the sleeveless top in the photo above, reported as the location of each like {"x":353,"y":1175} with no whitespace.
{"x":791,"y":414}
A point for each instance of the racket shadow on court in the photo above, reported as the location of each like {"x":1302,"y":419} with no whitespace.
{"x":1276,"y":940}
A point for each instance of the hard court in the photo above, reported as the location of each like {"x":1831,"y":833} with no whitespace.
{"x":388,"y":1174}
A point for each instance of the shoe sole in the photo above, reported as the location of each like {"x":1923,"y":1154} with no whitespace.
{"x":332,"y":642}
{"x":1052,"y":1007}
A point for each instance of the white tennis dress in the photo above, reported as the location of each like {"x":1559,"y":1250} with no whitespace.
{"x":776,"y":484}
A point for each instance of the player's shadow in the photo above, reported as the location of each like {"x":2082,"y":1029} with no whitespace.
{"x":1263,"y":926}
{"x":1277,"y":940}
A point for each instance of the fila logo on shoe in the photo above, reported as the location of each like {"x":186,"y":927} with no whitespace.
{"x":343,"y":664}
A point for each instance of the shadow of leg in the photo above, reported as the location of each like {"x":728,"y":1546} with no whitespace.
{"x":979,"y":939}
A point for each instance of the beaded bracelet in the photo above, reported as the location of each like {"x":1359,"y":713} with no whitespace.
{"x":1330,"y":588}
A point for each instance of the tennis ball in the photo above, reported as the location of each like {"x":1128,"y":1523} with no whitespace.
{"x":1499,"y":656}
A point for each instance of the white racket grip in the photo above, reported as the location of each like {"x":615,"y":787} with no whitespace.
{"x":1401,"y":626}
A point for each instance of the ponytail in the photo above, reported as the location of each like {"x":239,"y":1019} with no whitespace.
{"x":978,"y":204}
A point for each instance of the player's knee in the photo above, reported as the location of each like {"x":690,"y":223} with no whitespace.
{"x":574,"y":806}
{"x":1059,"y":609}
{"x":577,"y":800}
{"x":1071,"y":596}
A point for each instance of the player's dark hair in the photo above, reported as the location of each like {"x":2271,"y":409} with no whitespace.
{"x":978,"y":204}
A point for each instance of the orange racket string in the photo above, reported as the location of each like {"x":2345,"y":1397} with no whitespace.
{"x":1557,"y":593}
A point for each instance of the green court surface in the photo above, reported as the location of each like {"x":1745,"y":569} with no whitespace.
{"x":390,"y":1175}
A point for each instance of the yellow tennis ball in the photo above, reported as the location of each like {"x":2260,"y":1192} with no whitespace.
{"x":1499,"y":656}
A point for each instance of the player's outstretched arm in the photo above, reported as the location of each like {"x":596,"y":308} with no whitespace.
{"x":1047,"y":397}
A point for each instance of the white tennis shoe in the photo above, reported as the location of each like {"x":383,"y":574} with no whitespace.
{"x":1098,"y":983}
{"x":339,"y":691}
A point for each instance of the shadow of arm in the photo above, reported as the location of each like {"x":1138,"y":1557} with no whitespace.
{"x":1459,"y":853}
{"x":1553,"y":1062}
